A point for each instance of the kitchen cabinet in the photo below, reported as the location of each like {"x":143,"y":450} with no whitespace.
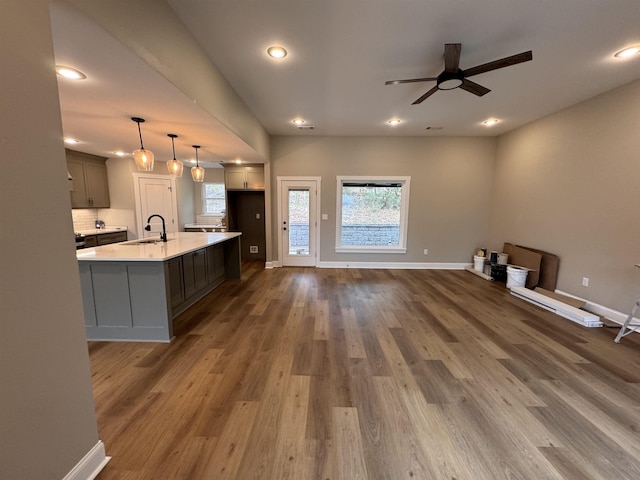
{"x":115,"y":237}
{"x":90,"y":241}
{"x":195,"y":272}
{"x":215,"y":264}
{"x":104,"y":239}
{"x":176,"y":282}
{"x":134,"y":292}
{"x":89,"y":186}
{"x":250,"y":177}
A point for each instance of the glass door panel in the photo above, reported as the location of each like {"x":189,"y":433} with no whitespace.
{"x":299,"y":230}
{"x":298,"y":222}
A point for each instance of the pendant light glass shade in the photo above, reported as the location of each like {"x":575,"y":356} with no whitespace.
{"x":197,"y":172}
{"x":174,"y":166}
{"x":143,"y":158}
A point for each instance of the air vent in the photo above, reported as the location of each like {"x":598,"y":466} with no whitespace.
{"x":433,"y":128}
{"x":306,"y":127}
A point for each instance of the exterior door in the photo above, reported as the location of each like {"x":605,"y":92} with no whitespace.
{"x":298,"y":222}
{"x":155,"y":194}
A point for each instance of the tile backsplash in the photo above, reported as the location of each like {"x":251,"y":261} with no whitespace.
{"x":84,"y":218}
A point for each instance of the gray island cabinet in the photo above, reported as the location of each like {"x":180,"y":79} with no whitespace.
{"x":132,"y":291}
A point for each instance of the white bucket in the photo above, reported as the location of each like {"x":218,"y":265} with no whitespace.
{"x":478,"y":263}
{"x":516,"y":276}
{"x":503,"y":258}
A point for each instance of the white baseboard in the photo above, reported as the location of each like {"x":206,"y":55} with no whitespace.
{"x":606,"y":312}
{"x":582,"y":317}
{"x":395,"y":265}
{"x":91,"y":465}
{"x":384,"y":265}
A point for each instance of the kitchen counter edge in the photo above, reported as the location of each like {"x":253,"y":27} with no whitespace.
{"x":178,"y":244}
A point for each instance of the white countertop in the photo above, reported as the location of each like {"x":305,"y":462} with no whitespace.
{"x":100,"y":231}
{"x":177,"y":244}
{"x":204,"y":225}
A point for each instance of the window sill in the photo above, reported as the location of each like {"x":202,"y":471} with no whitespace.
{"x":371,"y":250}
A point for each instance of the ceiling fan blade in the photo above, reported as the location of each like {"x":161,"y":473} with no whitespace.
{"x":473,"y":87}
{"x":411,"y":80}
{"x":452,"y":57}
{"x":425,"y":96}
{"x":504,"y":62}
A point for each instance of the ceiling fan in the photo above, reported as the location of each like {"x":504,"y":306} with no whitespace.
{"x":453,"y":77}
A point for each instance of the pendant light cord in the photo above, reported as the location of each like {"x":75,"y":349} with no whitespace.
{"x":140,"y":133}
{"x":174,"y":148}
{"x":197,"y":147}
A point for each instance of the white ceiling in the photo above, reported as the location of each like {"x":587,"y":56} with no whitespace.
{"x":340,"y":54}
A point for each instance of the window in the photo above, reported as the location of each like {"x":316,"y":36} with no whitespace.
{"x":213,"y":202}
{"x":372,"y":214}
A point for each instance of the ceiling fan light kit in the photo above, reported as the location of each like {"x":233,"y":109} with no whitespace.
{"x":453,"y":76}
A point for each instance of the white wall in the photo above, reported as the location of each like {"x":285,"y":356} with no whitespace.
{"x":568,"y":184}
{"x":47,"y":415}
{"x":450,"y":188}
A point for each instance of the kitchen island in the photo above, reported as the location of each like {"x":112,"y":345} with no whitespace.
{"x":132,"y":291}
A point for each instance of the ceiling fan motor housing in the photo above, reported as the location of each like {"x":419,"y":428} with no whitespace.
{"x":450,"y":80}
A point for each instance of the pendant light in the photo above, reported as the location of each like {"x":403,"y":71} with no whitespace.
{"x":197,"y":172}
{"x":142,"y":157}
{"x":174,"y":166}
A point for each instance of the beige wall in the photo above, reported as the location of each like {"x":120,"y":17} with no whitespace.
{"x":47,"y":415}
{"x":569,"y":184}
{"x":450,"y":188}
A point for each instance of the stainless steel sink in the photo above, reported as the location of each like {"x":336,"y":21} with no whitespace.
{"x":147,"y":241}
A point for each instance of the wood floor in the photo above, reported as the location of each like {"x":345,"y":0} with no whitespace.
{"x":348,"y":374}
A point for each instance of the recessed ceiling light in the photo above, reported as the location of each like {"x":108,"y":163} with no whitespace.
{"x":393,"y":122}
{"x":297,"y":121}
{"x":491,"y":122}
{"x":71,"y":141}
{"x":276,"y":52}
{"x":71,"y":73}
{"x":238,"y":161}
{"x":120,"y":153}
{"x":628,"y":52}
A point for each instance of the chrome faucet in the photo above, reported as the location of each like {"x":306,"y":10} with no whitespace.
{"x":163,"y":235}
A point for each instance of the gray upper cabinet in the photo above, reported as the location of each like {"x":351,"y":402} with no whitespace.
{"x":89,"y":187}
{"x":250,"y":177}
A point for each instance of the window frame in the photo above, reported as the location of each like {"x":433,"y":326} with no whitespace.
{"x":405,"y":185}
{"x":203,"y":199}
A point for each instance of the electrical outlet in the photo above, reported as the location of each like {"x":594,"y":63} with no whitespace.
{"x":426,"y":251}
{"x":585,"y":281}
{"x":253,"y":249}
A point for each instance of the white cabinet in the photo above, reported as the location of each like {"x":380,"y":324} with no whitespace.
{"x":244,"y":178}
{"x":89,"y":187}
